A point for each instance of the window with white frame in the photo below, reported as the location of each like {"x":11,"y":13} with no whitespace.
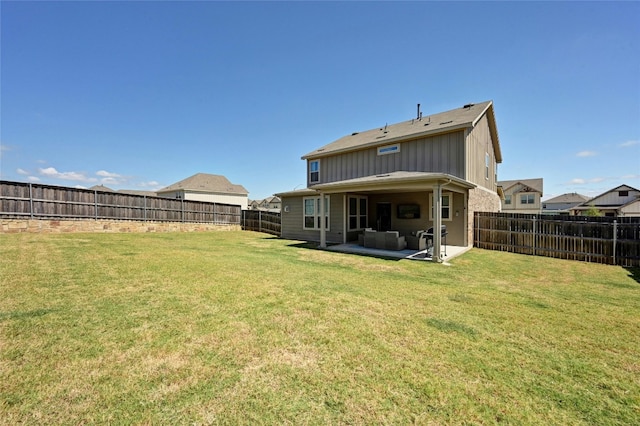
{"x":447,"y":205}
{"x":507,"y":199}
{"x":357,"y":213}
{"x":312,"y":216}
{"x":314,"y":171}
{"x":527,"y":199}
{"x":487,"y":163}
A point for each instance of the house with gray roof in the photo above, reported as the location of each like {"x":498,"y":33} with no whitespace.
{"x":522,"y":195}
{"x":562,"y":204}
{"x":209,"y":188}
{"x":621,"y":201}
{"x":428,"y":171}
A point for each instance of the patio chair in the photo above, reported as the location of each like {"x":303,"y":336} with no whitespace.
{"x":418,"y":241}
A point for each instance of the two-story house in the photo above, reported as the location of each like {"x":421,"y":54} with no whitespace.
{"x":522,"y":196}
{"x":621,"y":201}
{"x":424,"y":172}
{"x":562,"y":204}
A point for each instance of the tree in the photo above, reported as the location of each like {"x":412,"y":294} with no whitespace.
{"x":593,"y":212}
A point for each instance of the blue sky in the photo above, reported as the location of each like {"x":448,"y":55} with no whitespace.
{"x":140,"y":95}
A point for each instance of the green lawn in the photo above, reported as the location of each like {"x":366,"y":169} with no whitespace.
{"x":242,"y":328}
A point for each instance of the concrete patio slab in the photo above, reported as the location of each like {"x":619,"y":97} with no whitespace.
{"x":355,"y":248}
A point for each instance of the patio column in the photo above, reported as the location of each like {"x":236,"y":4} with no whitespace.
{"x":437,"y":222}
{"x":323,"y":230}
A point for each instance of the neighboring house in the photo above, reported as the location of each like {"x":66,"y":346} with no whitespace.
{"x":562,"y":204}
{"x":521,"y":196}
{"x":272,"y":204}
{"x":207,"y":187}
{"x":392,"y":177}
{"x":622,"y":201}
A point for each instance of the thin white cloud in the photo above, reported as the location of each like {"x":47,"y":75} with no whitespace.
{"x":628,"y":144}
{"x":106,"y":174}
{"x":51,"y":172}
{"x":33,"y":179}
{"x":586,"y":154}
{"x":630,"y":177}
{"x":22,"y":172}
{"x":577,"y":181}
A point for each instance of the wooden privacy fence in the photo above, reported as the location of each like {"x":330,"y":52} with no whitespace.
{"x":614,"y":241}
{"x":35,"y":201}
{"x":256,"y":220}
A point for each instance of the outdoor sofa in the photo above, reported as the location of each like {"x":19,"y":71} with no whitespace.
{"x":390,"y":240}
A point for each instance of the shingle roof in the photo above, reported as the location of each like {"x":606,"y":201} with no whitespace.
{"x":204,"y":182}
{"x":536,"y":183}
{"x":568,"y":198}
{"x":459,"y":118}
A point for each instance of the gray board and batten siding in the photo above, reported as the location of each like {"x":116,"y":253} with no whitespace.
{"x":441,"y":153}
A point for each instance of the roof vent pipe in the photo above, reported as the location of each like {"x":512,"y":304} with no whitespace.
{"x":418,"y":116}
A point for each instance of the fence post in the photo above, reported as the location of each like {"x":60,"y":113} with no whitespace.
{"x":95,"y":203}
{"x":31,"y":199}
{"x":182,"y":209}
{"x":615,"y":239}
{"x":535,"y":234}
{"x":259,"y":221}
{"x":145,"y":208}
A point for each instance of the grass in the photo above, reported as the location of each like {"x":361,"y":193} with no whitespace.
{"x":241,"y":328}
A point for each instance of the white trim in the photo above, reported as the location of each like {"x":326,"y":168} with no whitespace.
{"x":316,"y":213}
{"x":449,"y":196}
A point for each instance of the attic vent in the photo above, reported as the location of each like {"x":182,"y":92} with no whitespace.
{"x":381,"y":176}
{"x":321,"y":149}
{"x":447,"y":122}
{"x":426,"y":124}
{"x":468,"y":105}
{"x":354,"y":133}
{"x":380,"y":137}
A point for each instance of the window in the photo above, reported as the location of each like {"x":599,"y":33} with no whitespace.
{"x":312,"y":212}
{"x":623,"y":193}
{"x":487,"y":163}
{"x":357,"y":213}
{"x":314,"y":171}
{"x":507,"y":199}
{"x":527,"y":199}
{"x":447,"y":203}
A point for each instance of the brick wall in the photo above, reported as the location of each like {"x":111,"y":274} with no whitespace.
{"x":481,"y":200}
{"x":11,"y":226}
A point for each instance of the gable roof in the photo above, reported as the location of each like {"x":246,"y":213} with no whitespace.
{"x":594,"y":201}
{"x":457,"y":119}
{"x":535,"y":184}
{"x":204,"y":182}
{"x":568,"y":198}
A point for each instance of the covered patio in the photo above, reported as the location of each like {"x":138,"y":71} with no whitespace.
{"x":392,"y":191}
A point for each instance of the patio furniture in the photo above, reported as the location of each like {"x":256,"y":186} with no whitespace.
{"x":417,"y":241}
{"x":391,"y":240}
{"x":394,"y":241}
